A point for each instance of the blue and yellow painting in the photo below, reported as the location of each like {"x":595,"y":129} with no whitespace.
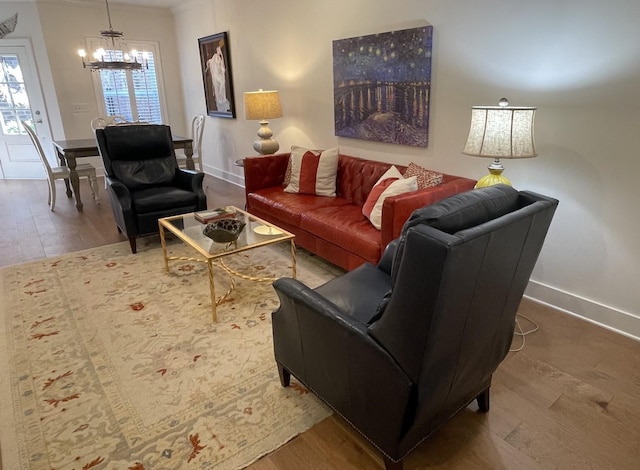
{"x":381,"y":85}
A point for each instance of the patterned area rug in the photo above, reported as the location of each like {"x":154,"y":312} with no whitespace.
{"x":109,"y":362}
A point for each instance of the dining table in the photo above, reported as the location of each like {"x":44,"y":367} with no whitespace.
{"x":68,"y":151}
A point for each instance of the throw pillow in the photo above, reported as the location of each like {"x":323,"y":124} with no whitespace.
{"x":287,"y":174}
{"x":426,"y":178}
{"x":313,"y":172}
{"x":390,"y":184}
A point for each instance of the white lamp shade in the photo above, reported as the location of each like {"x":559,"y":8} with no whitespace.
{"x":501,"y":132}
{"x":262,"y":105}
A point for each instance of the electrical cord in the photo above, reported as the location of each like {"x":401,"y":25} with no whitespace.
{"x":518,"y":331}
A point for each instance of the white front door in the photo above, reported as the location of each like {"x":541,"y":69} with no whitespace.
{"x":21,"y":99}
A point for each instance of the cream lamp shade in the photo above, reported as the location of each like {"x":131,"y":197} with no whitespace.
{"x":261,"y":106}
{"x":497,"y":132}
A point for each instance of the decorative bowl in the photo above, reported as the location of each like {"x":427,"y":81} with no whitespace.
{"x":224,"y":231}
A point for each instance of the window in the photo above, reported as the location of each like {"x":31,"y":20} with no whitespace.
{"x":14,"y":102}
{"x":133,"y":94}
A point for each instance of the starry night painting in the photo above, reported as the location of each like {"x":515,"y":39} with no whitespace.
{"x":381,"y":85}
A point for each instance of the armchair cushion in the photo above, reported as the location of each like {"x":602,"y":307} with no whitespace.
{"x":358,"y":293}
{"x":158,"y":198}
{"x":136,"y":174}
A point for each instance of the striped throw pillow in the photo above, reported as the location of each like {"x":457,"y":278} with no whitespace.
{"x":313,"y":172}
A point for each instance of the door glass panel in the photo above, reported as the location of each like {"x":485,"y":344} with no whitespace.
{"x":14,"y":102}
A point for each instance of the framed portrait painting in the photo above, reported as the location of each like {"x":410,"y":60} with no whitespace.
{"x":216,"y":75}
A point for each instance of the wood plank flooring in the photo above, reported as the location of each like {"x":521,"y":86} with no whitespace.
{"x":569,"y":399}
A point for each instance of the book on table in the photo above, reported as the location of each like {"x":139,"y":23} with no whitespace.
{"x":211,"y":215}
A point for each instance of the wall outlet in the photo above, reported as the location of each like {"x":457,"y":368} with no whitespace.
{"x":80,"y":108}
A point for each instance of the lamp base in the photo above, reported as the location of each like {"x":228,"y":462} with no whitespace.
{"x":494,"y":177}
{"x":490,"y":180}
{"x":265,"y":145}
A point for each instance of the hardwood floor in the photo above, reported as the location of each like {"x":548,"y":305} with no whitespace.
{"x":569,"y":399}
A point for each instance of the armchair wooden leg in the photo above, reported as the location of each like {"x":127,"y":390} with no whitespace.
{"x":483,"y":400}
{"x":285,"y":376}
{"x":132,"y":243}
{"x":391,"y":465}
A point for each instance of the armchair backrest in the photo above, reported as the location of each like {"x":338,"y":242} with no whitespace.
{"x":139,"y":155}
{"x":458,"y":276}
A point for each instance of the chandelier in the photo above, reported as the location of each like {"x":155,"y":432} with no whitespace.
{"x":111,"y":55}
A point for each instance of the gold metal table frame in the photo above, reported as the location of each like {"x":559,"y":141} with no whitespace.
{"x":189,"y":230}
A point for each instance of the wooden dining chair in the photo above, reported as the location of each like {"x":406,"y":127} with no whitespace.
{"x":101,"y":122}
{"x":197,"y":129}
{"x":85,"y":170}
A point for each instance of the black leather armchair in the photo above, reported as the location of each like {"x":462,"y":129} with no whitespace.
{"x":399,"y":348}
{"x":143,"y":179}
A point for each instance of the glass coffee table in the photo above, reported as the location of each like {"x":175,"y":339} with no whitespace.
{"x":256,"y":233}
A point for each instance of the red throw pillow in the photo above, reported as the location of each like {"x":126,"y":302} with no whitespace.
{"x":374,"y":195}
{"x":390,"y":184}
{"x":313,"y":172}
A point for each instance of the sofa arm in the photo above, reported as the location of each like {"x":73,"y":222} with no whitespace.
{"x":397,"y":209}
{"x":264,"y":172}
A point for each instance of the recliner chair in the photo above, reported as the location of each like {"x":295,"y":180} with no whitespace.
{"x":143,"y":179}
{"x":399,"y":348}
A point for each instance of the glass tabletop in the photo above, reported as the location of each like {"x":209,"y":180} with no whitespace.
{"x":256,"y":232}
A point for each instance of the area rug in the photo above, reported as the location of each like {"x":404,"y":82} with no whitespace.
{"x":108,"y":362}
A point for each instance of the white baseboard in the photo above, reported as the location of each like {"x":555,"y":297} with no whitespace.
{"x":224,"y":175}
{"x":613,"y":319}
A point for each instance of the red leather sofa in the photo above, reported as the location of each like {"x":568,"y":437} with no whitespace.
{"x":334,"y":227}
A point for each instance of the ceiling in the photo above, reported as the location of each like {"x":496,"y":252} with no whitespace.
{"x":147,"y":3}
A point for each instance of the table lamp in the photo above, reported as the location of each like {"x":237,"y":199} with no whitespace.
{"x":263,"y":105}
{"x":497,"y":132}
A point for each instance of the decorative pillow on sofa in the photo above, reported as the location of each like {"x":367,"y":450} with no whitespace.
{"x":391,"y":183}
{"x":287,"y":174}
{"x":426,"y":178}
{"x":313,"y":172}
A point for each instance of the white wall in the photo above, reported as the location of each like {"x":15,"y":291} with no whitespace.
{"x":578,"y":61}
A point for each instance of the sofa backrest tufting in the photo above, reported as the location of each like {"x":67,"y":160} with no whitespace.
{"x":356,"y":177}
